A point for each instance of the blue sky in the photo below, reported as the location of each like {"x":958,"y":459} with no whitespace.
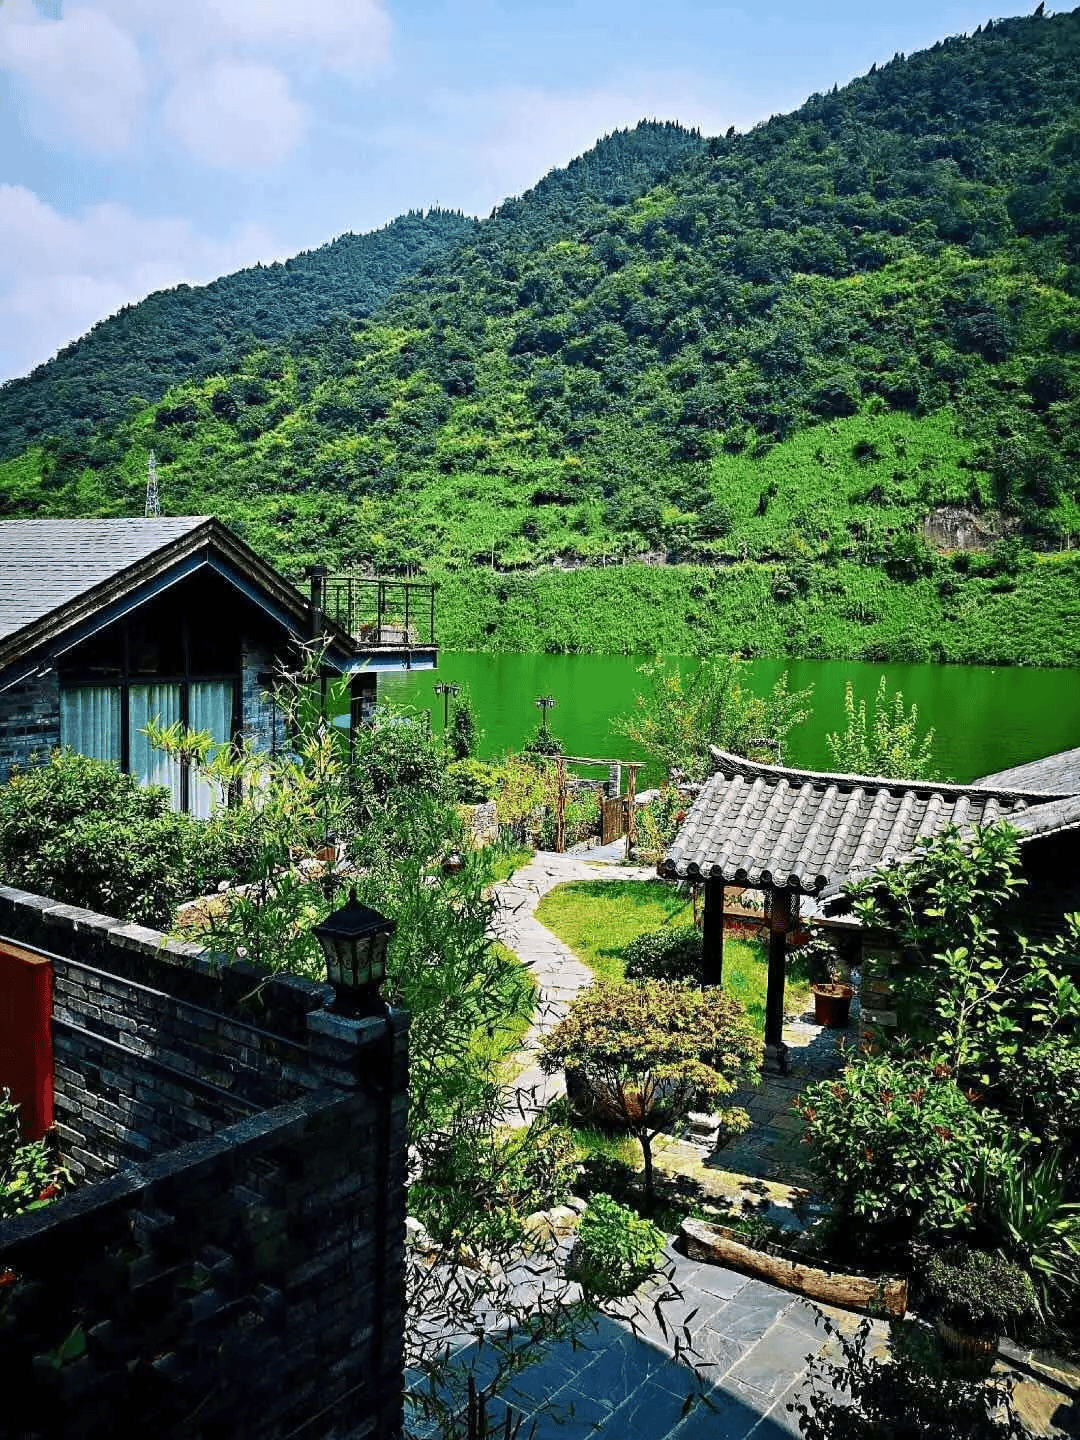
{"x":146,"y":142}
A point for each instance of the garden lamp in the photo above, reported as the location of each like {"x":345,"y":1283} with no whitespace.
{"x":354,"y":941}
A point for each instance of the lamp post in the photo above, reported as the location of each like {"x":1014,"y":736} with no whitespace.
{"x":354,"y":940}
{"x":446,"y":689}
{"x":544,"y":703}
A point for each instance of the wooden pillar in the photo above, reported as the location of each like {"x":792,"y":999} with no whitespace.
{"x":712,"y":934}
{"x":631,"y":808}
{"x":780,"y":907}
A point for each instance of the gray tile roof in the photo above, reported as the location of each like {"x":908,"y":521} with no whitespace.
{"x":45,"y":564}
{"x":1054,"y":774}
{"x":756,"y":824}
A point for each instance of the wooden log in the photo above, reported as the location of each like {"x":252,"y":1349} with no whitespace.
{"x":791,"y":1271}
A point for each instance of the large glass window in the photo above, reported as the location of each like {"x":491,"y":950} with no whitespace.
{"x":90,"y":721}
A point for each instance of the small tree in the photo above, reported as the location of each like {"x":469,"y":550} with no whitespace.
{"x":464,"y":733}
{"x":681,"y":717}
{"x":889,"y":744}
{"x":651,"y":1053}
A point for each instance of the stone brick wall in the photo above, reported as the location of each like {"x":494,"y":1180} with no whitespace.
{"x":264,"y":724}
{"x":238,"y":1267}
{"x":29,"y":721}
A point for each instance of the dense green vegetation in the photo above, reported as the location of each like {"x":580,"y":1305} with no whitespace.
{"x":797,"y":357}
{"x":134,"y":356}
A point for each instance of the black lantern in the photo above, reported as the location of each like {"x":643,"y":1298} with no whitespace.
{"x":354,"y":941}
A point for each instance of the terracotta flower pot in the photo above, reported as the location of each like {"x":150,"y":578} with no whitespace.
{"x":832,"y":1005}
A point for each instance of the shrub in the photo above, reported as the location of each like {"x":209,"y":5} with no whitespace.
{"x":1025,"y":1204}
{"x":478,"y":1189}
{"x":978,"y":1291}
{"x":29,"y":1178}
{"x":896,"y":1145}
{"x":672,"y":954}
{"x":79,"y":830}
{"x":615,"y":1249}
{"x":473,"y":781}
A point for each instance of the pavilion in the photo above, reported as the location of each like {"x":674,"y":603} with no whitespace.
{"x":804,"y":833}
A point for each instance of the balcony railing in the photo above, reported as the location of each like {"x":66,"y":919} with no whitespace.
{"x":398,"y":613}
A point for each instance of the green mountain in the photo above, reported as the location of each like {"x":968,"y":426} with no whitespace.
{"x":786,"y":372}
{"x":136,"y":355}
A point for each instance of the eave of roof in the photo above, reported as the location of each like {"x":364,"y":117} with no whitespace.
{"x":1052,"y":775}
{"x":759,"y":825}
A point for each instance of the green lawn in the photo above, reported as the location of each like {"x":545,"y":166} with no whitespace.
{"x":597,"y":919}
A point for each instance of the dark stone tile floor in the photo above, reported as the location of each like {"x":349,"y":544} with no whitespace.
{"x":748,"y":1346}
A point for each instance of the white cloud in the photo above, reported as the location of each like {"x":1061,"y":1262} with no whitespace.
{"x":60,"y":274}
{"x":346,"y":35}
{"x":236,"y":114}
{"x":82,"y":77}
{"x":499,"y":142}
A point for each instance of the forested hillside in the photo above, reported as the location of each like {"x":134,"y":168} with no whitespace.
{"x":133,"y":357}
{"x":837,"y":341}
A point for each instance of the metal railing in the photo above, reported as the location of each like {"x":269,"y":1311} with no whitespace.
{"x":382,"y":612}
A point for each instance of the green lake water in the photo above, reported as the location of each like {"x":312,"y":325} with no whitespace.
{"x":985,"y":718}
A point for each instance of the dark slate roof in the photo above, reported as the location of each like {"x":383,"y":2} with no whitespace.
{"x":45,"y":564}
{"x":1053,"y":774}
{"x":756,"y":824}
{"x":59,"y":576}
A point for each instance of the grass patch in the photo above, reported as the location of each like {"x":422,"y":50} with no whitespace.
{"x":597,"y":919}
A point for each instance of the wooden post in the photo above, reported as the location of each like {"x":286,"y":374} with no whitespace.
{"x":631,"y":808}
{"x":560,"y":805}
{"x":778,"y":915}
{"x":712,"y":934}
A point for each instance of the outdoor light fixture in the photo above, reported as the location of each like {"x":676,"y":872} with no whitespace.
{"x":354,"y":941}
{"x":446,"y":689}
{"x":544,"y":703}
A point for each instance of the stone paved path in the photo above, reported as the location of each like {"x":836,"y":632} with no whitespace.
{"x":558,"y":973}
{"x":622,"y":1380}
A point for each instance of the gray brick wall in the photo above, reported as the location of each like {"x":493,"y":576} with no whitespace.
{"x":29,"y":721}
{"x":263,"y":722}
{"x":238,"y":1266}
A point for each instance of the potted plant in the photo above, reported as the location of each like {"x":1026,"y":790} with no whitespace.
{"x":832,"y":1003}
{"x":976,"y":1295}
{"x":831,"y":989}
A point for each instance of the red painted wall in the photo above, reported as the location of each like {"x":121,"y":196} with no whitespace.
{"x":26,"y":1061}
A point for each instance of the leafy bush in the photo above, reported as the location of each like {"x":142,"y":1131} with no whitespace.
{"x":895,"y":1145}
{"x":478,"y":1189}
{"x":615,"y":1249}
{"x":79,"y":830}
{"x":658,"y":823}
{"x":648,"y":1053}
{"x":1025,"y":1207}
{"x":473,"y":781}
{"x":673,"y":954}
{"x":978,"y":1291}
{"x":29,"y":1177}
{"x":1045,"y":1086}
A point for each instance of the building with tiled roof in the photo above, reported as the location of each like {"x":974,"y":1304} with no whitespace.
{"x":108,"y":624}
{"x":802,"y":833}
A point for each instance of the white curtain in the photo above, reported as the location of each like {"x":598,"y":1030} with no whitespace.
{"x":90,"y":721}
{"x":210,"y":707}
{"x":150,"y":766}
